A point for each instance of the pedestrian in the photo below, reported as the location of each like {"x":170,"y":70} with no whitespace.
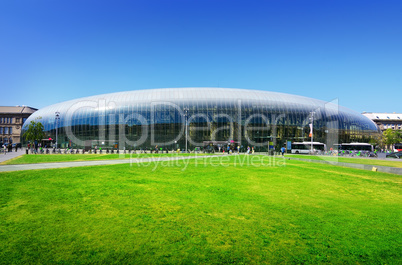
{"x":4,"y":148}
{"x":248,"y":150}
{"x":283,"y":150}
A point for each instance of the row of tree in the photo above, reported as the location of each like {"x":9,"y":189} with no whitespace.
{"x":388,"y":139}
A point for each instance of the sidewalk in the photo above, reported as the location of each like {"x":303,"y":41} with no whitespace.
{"x":392,"y":170}
{"x":13,"y":154}
{"x":5,"y":168}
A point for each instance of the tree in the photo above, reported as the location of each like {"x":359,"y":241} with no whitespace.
{"x":391,"y":137}
{"x":376,"y":141}
{"x":398,"y":136}
{"x":35,"y":132}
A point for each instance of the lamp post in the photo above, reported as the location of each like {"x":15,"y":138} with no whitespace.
{"x":311,"y":130}
{"x":186,"y":114}
{"x":57,"y":118}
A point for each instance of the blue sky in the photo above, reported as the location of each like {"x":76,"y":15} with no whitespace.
{"x":52,"y":51}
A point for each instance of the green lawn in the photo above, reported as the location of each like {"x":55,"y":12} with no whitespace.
{"x":211,"y":210}
{"x":365,"y":161}
{"x":50,"y":158}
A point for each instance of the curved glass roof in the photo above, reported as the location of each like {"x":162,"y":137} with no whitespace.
{"x":196,"y":94}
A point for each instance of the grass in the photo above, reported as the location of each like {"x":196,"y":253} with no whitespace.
{"x":52,"y":158}
{"x":365,"y":161}
{"x":211,"y":210}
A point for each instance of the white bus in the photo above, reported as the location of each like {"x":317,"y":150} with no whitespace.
{"x":398,"y":147}
{"x":305,"y":147}
{"x":355,"y":147}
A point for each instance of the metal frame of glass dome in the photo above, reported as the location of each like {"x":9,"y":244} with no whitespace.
{"x":157,"y":117}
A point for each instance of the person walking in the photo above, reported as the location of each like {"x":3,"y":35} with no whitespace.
{"x":283,"y":150}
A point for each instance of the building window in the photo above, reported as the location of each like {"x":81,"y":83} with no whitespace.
{"x":5,"y":130}
{"x":10,"y":130}
{"x":1,"y":130}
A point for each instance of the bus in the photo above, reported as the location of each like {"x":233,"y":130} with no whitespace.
{"x":305,"y":147}
{"x":355,"y":147}
{"x":398,"y":147}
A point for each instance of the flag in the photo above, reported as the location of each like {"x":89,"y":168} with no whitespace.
{"x":311,"y":130}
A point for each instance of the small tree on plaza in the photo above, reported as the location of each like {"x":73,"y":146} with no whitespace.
{"x":35,"y":132}
{"x":377,"y":141}
{"x":391,"y":137}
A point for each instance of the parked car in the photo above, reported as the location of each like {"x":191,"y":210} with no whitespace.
{"x":16,"y":144}
{"x":395,"y":155}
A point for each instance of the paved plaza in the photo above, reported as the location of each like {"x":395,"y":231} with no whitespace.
{"x":11,"y":155}
{"x":4,"y":168}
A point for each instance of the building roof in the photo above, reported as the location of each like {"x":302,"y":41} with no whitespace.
{"x":17,"y":110}
{"x":383,"y":116}
{"x":271,"y":101}
{"x":197,"y":94}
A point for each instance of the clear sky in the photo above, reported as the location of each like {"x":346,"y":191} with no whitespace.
{"x":54,"y":50}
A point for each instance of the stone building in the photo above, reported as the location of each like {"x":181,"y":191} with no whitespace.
{"x":386,"y":121}
{"x":11,"y":121}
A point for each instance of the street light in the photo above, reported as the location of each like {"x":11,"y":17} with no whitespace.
{"x":186,"y":114}
{"x":311,"y":129}
{"x":57,"y":118}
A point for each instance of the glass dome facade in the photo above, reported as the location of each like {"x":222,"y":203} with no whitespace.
{"x":161,"y":117}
